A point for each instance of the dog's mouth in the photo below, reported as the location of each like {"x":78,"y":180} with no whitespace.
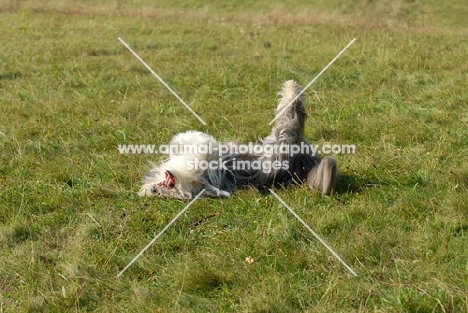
{"x":168,"y":182}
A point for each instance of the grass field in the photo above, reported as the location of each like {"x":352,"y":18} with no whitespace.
{"x":70,"y":218}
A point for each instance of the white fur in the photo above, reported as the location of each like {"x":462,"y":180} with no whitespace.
{"x":186,"y":179}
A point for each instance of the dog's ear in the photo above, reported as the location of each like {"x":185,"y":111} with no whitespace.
{"x":323,"y":177}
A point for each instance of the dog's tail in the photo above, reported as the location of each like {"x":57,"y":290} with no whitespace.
{"x":290,"y":113}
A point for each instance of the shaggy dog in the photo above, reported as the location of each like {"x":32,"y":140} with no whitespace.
{"x":197,"y":161}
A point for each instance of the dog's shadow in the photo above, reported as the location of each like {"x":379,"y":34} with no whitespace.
{"x":345,"y":184}
{"x":348,"y":183}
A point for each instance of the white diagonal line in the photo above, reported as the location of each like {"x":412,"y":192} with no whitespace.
{"x":160,"y":233}
{"x":314,"y":233}
{"x":162,"y":81}
{"x":312,"y":81}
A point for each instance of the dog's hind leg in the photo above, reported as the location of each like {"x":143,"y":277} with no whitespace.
{"x":289,"y":126}
{"x":287,"y":133}
{"x":290,"y":114}
{"x":323,"y":176}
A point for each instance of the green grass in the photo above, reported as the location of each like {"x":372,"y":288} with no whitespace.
{"x":70,"y":218}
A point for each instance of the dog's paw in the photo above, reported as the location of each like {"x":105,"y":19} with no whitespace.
{"x":224,"y":194}
{"x":216,"y":193}
{"x":147,"y":191}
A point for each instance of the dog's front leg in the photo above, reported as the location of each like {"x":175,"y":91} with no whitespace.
{"x":212,"y":191}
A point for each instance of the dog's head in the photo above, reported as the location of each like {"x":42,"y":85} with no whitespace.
{"x":182,"y":176}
